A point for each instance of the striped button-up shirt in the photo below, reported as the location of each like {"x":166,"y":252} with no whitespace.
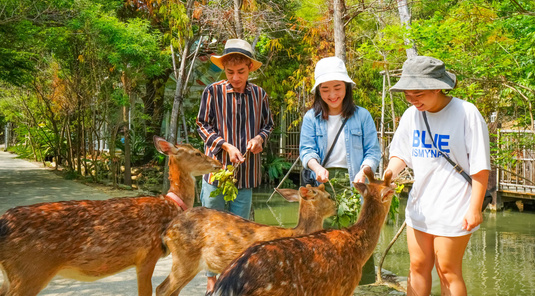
{"x":226,"y":116}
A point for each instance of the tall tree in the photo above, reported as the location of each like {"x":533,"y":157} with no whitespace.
{"x":405,"y":18}
{"x":339,"y":29}
{"x":238,"y":26}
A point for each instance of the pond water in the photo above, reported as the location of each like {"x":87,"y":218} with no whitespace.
{"x":499,"y":260}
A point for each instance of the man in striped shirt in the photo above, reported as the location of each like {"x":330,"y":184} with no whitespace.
{"x":234,"y":121}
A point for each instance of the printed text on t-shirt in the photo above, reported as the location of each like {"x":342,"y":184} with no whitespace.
{"x":423,"y":147}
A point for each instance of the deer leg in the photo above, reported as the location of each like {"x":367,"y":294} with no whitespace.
{"x":144,"y":275}
{"x":182,"y":272}
{"x":29,"y":282}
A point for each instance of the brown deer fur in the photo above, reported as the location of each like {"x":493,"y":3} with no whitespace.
{"x":91,"y":239}
{"x":206,"y":238}
{"x":325,"y":263}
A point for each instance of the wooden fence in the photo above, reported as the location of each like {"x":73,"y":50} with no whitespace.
{"x":515,"y":162}
{"x":515,"y":176}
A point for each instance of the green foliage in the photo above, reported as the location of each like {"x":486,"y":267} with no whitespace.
{"x":226,"y":184}
{"x":15,"y":66}
{"x":349,"y":204}
{"x":276,"y":167}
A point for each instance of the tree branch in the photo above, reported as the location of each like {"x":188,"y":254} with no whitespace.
{"x":522,"y":9}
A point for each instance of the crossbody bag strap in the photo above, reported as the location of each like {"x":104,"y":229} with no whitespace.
{"x":334,"y":142}
{"x":457,"y":167}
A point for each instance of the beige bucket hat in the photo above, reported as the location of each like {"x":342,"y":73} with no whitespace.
{"x":236,"y":46}
{"x":329,"y":69}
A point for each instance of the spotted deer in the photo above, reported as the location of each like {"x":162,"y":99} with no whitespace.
{"x":206,"y":238}
{"x":326,"y":263}
{"x":91,"y":239}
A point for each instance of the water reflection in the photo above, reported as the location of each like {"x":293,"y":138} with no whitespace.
{"x":499,"y":260}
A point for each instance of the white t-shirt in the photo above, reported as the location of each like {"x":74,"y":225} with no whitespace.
{"x":440,"y":196}
{"x":338,"y":158}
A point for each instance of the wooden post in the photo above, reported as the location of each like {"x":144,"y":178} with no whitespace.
{"x":382,"y":128}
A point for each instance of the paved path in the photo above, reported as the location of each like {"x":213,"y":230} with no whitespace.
{"x":24,"y":183}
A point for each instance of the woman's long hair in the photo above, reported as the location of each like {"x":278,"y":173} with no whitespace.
{"x":348,"y":106}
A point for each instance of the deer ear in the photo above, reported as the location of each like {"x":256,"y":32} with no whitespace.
{"x":361,"y":187}
{"x":386,"y":193}
{"x":303,"y":192}
{"x":291,"y":195}
{"x":163,"y":146}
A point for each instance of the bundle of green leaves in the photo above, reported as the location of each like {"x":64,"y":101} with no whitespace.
{"x":349,"y":204}
{"x":226,"y":183}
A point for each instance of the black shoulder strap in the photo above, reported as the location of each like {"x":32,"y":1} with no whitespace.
{"x":458,"y":168}
{"x":334,"y":142}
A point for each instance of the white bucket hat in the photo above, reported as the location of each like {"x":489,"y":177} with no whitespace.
{"x":424,"y":73}
{"x":329,"y":69}
{"x":236,"y":46}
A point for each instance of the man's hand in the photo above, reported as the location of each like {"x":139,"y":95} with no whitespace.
{"x":234,"y":153}
{"x":255,"y":145}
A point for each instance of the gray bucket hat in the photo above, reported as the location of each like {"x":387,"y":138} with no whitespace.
{"x":423,"y":73}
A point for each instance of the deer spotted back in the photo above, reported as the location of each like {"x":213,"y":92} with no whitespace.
{"x":92,"y":239}
{"x":324,"y":263}
{"x":209,"y":238}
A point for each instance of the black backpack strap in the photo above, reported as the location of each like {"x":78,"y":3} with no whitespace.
{"x":457,"y":167}
{"x":334,"y":142}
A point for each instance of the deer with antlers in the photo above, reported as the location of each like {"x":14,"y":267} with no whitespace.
{"x":91,"y":239}
{"x":326,"y":263}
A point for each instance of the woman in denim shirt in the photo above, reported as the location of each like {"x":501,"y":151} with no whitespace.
{"x":357,"y":145}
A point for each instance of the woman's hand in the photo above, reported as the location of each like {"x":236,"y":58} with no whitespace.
{"x":322,"y":175}
{"x":360,"y":177}
{"x":472,"y":219}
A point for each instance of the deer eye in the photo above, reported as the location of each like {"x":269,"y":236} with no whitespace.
{"x":198,"y":154}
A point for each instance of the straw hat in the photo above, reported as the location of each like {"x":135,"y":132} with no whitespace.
{"x":236,"y":46}
{"x":329,"y":69}
{"x":424,"y":73}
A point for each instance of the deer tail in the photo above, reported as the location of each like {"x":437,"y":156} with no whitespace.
{"x":4,"y":229}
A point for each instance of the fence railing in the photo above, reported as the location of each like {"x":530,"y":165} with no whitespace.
{"x":515,"y":160}
{"x":513,"y":154}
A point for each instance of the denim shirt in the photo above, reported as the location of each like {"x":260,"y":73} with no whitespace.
{"x":362,"y":144}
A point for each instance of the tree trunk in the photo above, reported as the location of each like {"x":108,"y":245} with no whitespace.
{"x":153,"y":102}
{"x":6,"y":135}
{"x":177,"y":102}
{"x":178,"y":98}
{"x":113,"y":158}
{"x":78,"y":139}
{"x":70,"y":156}
{"x":237,"y":18}
{"x":339,"y":30}
{"x":126,"y":131}
{"x":405,"y":18}
{"x":127,"y":152}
